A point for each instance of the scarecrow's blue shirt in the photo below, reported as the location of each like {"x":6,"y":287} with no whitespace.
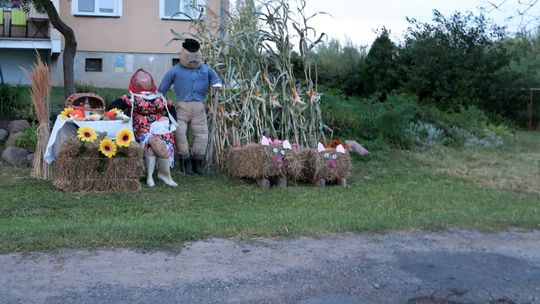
{"x":189,"y":84}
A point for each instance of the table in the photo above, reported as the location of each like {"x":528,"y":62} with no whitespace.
{"x":63,"y":128}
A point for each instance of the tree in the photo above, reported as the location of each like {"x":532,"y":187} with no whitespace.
{"x":524,"y":12}
{"x":70,"y":47}
{"x":338,"y":66}
{"x":454,"y":61}
{"x":380,"y":72}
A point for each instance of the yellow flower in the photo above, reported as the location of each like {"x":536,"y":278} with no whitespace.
{"x":65,"y":113}
{"x":107,"y":147}
{"x":86,"y":134}
{"x":123,"y":138}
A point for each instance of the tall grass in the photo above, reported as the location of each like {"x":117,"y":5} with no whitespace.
{"x":253,"y":53}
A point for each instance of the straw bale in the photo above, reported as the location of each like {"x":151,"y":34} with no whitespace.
{"x":294,"y":165}
{"x":79,"y":167}
{"x":316,"y":166}
{"x":254,"y":161}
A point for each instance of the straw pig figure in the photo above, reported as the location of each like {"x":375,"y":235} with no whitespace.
{"x":267,"y":162}
{"x":326,"y":165}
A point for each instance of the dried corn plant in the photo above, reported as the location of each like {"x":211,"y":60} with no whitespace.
{"x":254,"y":54}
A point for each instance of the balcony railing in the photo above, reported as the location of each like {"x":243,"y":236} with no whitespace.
{"x":15,"y":23}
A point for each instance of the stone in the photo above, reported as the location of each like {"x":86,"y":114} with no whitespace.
{"x":30,"y":158}
{"x":15,"y":156}
{"x":16,"y":126}
{"x":3,"y":134}
{"x":355,"y":147}
{"x":12,"y":139}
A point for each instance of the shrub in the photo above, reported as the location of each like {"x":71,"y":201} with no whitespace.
{"x":28,"y":140}
{"x":467,"y":127}
{"x":85,"y":87}
{"x":13,"y":98}
{"x":369,"y":119}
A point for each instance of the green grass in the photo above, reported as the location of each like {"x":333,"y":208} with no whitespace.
{"x":395,"y":190}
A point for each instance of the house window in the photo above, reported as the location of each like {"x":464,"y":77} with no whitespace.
{"x":93,"y":65}
{"x":105,"y":8}
{"x":181,"y":9}
{"x":6,"y":4}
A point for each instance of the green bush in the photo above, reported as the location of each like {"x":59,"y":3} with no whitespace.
{"x":371,"y":120}
{"x":28,"y":139}
{"x":13,"y":98}
{"x":85,"y":87}
{"x":466,"y":127}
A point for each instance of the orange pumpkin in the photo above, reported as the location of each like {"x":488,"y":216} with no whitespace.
{"x":77,"y":113}
{"x":110,"y":115}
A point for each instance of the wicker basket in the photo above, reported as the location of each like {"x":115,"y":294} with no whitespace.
{"x":78,"y":100}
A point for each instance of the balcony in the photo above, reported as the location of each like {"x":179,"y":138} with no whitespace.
{"x":17,"y":25}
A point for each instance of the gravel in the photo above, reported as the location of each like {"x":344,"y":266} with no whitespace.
{"x":461,"y":266}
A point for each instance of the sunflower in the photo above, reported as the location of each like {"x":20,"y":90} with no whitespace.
{"x":107,"y":147}
{"x":123,"y":137}
{"x":86,"y":134}
{"x":65,"y":113}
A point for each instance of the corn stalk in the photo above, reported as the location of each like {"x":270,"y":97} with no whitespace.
{"x":255,"y":62}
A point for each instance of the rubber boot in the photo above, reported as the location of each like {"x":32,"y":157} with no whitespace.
{"x":164,"y":172}
{"x":150,"y":162}
{"x":198,"y":164}
{"x":185,"y":164}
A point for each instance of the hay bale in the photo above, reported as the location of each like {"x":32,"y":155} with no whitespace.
{"x":260,"y":162}
{"x":79,"y":167}
{"x":321,"y":168}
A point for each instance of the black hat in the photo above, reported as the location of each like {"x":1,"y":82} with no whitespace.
{"x":191,"y":45}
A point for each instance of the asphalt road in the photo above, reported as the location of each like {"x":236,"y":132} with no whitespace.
{"x":402,"y":267}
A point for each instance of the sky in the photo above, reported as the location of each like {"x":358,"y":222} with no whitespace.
{"x":358,"y":20}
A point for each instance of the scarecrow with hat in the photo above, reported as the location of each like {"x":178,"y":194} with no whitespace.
{"x":191,"y":80}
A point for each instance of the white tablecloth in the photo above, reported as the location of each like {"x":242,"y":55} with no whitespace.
{"x":63,"y":127}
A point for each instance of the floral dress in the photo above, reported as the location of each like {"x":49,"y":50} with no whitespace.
{"x":146,"y":110}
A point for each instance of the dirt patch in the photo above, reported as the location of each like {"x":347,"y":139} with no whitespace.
{"x":402,"y":267}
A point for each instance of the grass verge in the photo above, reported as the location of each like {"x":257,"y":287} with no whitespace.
{"x":394,"y":190}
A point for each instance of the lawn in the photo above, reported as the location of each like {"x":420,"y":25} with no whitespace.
{"x":437,"y":188}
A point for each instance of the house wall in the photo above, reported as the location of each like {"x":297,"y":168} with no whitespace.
{"x":12,"y":63}
{"x":137,"y":39}
{"x":138,"y":30}
{"x":117,"y":68}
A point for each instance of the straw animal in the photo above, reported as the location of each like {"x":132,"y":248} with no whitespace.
{"x":326,"y":165}
{"x":270,"y":162}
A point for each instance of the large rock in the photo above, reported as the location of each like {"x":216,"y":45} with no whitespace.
{"x":12,"y":139}
{"x":17,"y":126}
{"x":355,"y":147}
{"x":15,"y":156}
{"x":3,"y":134}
